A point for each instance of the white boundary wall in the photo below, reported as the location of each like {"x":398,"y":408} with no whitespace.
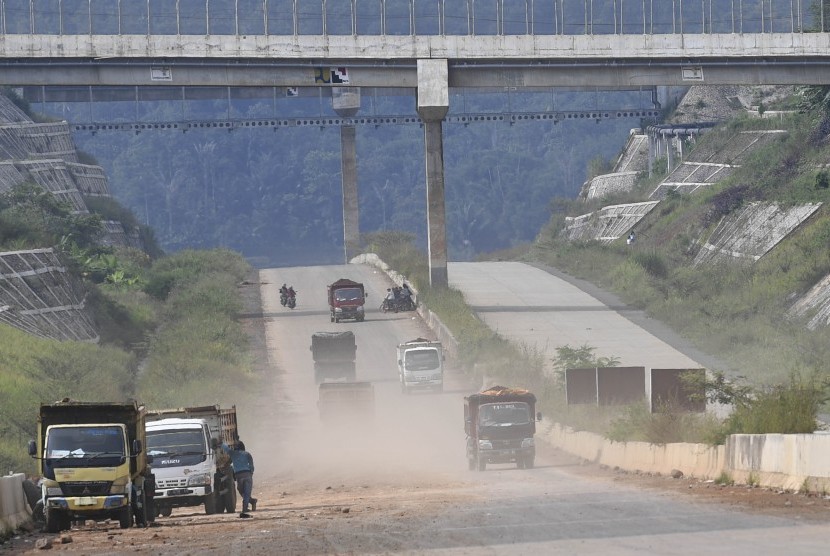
{"x":14,"y":511}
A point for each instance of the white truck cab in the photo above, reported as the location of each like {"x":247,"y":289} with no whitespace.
{"x":190,"y":467}
{"x":421,"y":365}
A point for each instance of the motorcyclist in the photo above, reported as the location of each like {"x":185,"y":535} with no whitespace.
{"x":406,"y":296}
{"x":389,"y":300}
{"x":291,"y":296}
{"x":283,"y":295}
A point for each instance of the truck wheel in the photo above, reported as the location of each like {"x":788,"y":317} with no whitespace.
{"x":166,"y":511}
{"x":140,"y":509}
{"x":529,"y":462}
{"x":53,"y":521}
{"x":229,"y":499}
{"x":471,"y":464}
{"x":331,"y":318}
{"x":211,"y":503}
{"x":125,"y":517}
{"x":32,"y":493}
{"x":482,"y":465}
{"x":38,"y":515}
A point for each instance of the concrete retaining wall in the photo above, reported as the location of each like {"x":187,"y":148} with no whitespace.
{"x":14,"y":511}
{"x":786,"y":461}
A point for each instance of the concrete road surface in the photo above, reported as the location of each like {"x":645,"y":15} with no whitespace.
{"x":544,"y":310}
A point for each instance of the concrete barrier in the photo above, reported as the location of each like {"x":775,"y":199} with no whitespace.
{"x":786,"y":461}
{"x":14,"y":511}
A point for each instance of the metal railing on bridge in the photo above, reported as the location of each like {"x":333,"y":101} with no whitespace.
{"x":410,"y":17}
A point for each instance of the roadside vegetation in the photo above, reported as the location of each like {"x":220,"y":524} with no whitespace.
{"x":168,"y":325}
{"x":170,"y":339}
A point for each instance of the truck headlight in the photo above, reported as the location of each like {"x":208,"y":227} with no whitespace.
{"x":54,"y":491}
{"x":360,"y":308}
{"x":338,"y":309}
{"x":485,"y":445}
{"x":528,"y":443}
{"x":118,"y":489}
{"x":435,"y":377}
{"x":201,"y":479}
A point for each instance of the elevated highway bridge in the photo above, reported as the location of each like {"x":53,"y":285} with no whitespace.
{"x":428,"y":46}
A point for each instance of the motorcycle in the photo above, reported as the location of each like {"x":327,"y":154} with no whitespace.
{"x":291,"y":302}
{"x":400,"y":304}
{"x":283,"y":299}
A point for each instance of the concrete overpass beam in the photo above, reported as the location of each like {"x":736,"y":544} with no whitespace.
{"x":433,"y":104}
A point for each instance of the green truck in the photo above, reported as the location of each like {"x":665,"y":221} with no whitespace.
{"x":92,"y":459}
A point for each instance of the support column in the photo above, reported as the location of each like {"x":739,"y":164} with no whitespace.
{"x":351,"y":214}
{"x":669,"y":155}
{"x":652,"y":147}
{"x":346,"y":102}
{"x":433,"y":103}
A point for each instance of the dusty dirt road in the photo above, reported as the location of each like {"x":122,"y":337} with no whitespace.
{"x":400,"y":484}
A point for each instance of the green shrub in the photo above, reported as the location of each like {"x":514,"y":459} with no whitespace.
{"x":186,"y":265}
{"x":790,"y":408}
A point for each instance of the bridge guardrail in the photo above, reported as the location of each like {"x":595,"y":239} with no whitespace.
{"x":400,"y":17}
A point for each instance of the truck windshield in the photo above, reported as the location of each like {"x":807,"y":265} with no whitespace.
{"x":503,"y":414}
{"x":348,"y":294}
{"x":175,"y":447}
{"x":85,"y":447}
{"x":422,"y":360}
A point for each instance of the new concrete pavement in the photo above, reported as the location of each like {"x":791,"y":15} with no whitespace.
{"x":540,"y":308}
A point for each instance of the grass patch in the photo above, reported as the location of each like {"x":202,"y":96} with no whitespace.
{"x":192,"y":349}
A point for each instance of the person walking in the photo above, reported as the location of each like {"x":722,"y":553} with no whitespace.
{"x":243,"y":469}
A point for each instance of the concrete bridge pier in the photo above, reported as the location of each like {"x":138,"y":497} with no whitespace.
{"x":652,"y":153}
{"x":433,"y":104}
{"x":346,"y":102}
{"x":669,"y":153}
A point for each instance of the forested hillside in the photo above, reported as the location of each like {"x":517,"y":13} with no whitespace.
{"x":276,"y":195}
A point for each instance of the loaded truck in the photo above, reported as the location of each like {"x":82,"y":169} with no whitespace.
{"x":334,"y":355}
{"x":191,"y":468}
{"x":93,"y":462}
{"x":421,"y":365}
{"x":346,"y":300}
{"x":346,"y":402}
{"x":500,"y":424}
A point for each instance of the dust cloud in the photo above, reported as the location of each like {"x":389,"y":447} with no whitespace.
{"x":409,"y":438}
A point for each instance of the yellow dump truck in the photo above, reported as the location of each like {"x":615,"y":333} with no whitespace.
{"x":91,"y":456}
